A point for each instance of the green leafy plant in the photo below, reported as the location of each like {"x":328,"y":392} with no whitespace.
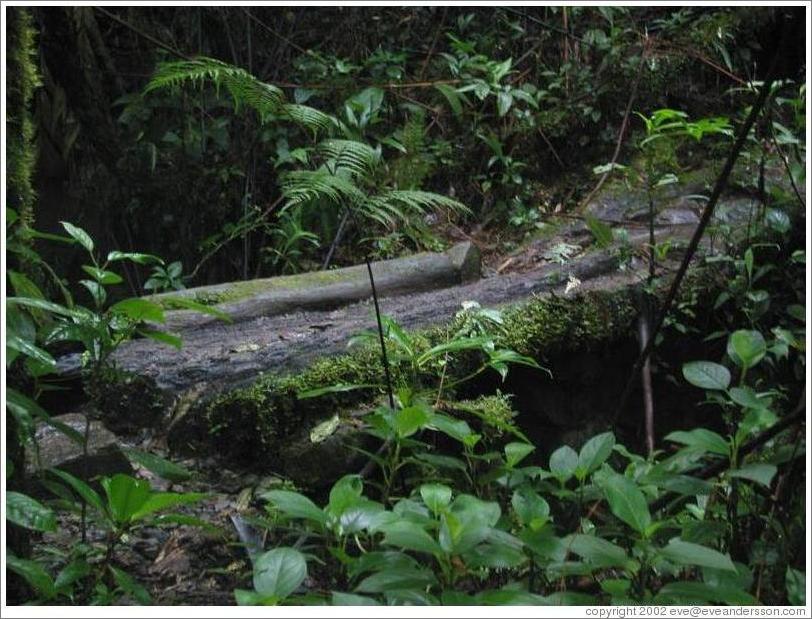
{"x":167,"y":277}
{"x":128,"y":503}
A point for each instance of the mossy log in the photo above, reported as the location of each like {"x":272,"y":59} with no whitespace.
{"x":262,"y":417}
{"x":322,"y":290}
{"x":236,"y":386}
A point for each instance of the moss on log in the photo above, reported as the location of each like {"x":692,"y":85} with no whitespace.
{"x":258,"y":418}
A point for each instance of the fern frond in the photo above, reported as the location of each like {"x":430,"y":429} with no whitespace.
{"x":356,"y":158}
{"x":398,"y":206}
{"x":300,"y":186}
{"x":308,"y":117}
{"x":384,"y":212}
{"x":244,"y":88}
{"x":416,"y":201}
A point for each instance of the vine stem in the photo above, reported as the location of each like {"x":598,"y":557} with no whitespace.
{"x":384,"y":358}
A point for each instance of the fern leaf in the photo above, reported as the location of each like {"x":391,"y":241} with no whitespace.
{"x":300,"y":186}
{"x":422,"y":201}
{"x":356,"y":158}
{"x":308,"y":117}
{"x":244,"y":88}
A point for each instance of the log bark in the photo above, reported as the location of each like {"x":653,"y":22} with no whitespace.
{"x":323,"y":290}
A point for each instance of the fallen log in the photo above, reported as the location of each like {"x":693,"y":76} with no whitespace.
{"x":323,"y":290}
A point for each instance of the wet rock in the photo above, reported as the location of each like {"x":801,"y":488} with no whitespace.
{"x":56,"y":450}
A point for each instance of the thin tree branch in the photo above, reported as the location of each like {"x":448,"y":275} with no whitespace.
{"x":623,"y":126}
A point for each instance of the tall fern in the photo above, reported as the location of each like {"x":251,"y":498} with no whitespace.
{"x":244,"y":88}
{"x":345,"y":167}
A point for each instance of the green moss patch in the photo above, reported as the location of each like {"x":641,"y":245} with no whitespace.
{"x":256,"y":419}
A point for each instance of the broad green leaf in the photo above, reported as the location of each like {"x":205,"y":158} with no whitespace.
{"x":29,"y":513}
{"x":82,"y":237}
{"x":563,"y":462}
{"x":516,"y":452}
{"x":435,"y":496}
{"x":158,"y":501}
{"x":175,"y":341}
{"x":796,"y":586}
{"x":616,"y":587}
{"x":409,"y":536}
{"x":594,"y":453}
{"x":706,"y":375}
{"x":396,"y":579}
{"x":345,"y":493}
{"x":161,"y":467}
{"x":746,"y":348}
{"x":30,"y":350}
{"x":130,"y":586}
{"x":452,"y":96}
{"x":107,"y":278}
{"x":758,"y":472}
{"x":746,"y":397}
{"x":458,"y":429}
{"x":467,"y":523}
{"x":350,"y":599}
{"x":279,"y":572}
{"x":626,"y":501}
{"x":295,"y":505}
{"x":126,"y":495}
{"x":531,"y":509}
{"x":47,"y":306}
{"x":597,"y":551}
{"x":87,"y":493}
{"x":72,"y":572}
{"x":380,"y":561}
{"x":33,"y":573}
{"x":506,"y":597}
{"x":252,"y":598}
{"x":364,"y":514}
{"x":337,"y":388}
{"x":410,"y":420}
{"x":139,"y":309}
{"x":701,"y":438}
{"x":688,"y":553}
{"x":495,"y":556}
{"x":188,"y":304}
{"x":699,"y":593}
{"x":504,"y":101}
{"x":138,"y":258}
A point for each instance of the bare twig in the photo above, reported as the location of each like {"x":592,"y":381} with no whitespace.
{"x":336,"y":240}
{"x":785,"y":161}
{"x":437,"y":32}
{"x":552,"y":148}
{"x":278,"y":35}
{"x":623,"y":126}
{"x":143,"y":34}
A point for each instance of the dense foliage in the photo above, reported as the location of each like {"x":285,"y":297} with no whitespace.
{"x":243,"y":142}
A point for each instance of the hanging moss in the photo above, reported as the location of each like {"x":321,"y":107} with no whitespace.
{"x":22,"y":78}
